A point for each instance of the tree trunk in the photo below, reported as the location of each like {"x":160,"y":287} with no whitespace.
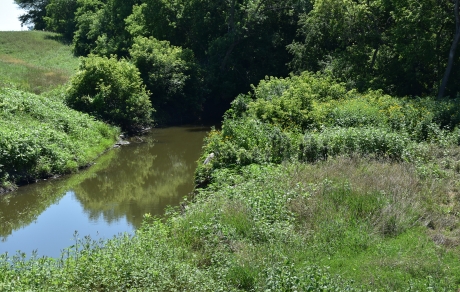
{"x":453,"y":48}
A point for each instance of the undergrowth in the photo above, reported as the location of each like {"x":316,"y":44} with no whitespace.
{"x":41,"y":137}
{"x":307,"y":187}
{"x":346,"y":224}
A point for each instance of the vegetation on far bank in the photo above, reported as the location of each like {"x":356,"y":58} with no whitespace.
{"x":201,"y":54}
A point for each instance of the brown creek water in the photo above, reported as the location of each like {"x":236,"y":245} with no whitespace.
{"x":109,"y":198}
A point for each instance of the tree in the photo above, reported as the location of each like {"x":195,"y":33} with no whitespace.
{"x":393,"y":45}
{"x":453,"y":48}
{"x":235,"y":42}
{"x":36,"y":11}
{"x":100,"y":27}
{"x":60,"y":17}
{"x":171,"y":76}
{"x":112,"y":91}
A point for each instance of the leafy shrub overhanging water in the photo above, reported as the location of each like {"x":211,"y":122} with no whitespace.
{"x":112,"y":91}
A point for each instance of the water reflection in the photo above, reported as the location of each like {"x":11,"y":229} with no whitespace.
{"x":112,"y":196}
{"x":144,"y":177}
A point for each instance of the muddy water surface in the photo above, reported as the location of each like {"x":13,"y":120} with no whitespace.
{"x":109,"y":198}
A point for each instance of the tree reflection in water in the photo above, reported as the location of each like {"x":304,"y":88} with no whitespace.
{"x":143,"y":177}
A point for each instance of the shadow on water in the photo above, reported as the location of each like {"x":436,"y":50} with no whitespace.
{"x":154,"y":171}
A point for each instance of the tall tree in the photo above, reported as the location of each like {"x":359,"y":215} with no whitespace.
{"x":393,"y":45}
{"x":100,"y":27}
{"x":236,"y":42}
{"x":453,"y":48}
{"x":60,"y":17}
{"x":35,"y":12}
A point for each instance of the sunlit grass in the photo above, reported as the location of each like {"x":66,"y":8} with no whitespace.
{"x":41,"y":137}
{"x":35,"y":61}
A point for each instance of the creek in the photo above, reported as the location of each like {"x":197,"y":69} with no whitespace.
{"x":110,"y":197}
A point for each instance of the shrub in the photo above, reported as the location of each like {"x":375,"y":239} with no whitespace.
{"x":287,"y":102}
{"x":170,"y":74}
{"x":362,"y":141}
{"x":356,"y":112}
{"x":111,"y":90}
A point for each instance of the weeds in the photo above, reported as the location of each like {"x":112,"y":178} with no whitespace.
{"x":41,"y":137}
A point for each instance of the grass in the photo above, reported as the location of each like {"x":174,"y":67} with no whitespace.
{"x":35,"y":61}
{"x":344,"y":224}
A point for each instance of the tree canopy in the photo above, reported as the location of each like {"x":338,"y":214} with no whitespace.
{"x":222,"y":47}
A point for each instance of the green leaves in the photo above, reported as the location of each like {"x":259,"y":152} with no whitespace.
{"x":400,"y":46}
{"x":171,"y":76}
{"x":40,"y":137}
{"x":112,"y":91}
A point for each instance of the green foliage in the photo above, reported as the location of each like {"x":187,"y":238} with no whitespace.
{"x":235,"y":43}
{"x":310,"y":118}
{"x":41,"y":137}
{"x":100,"y":27}
{"x":170,"y":74}
{"x":60,"y":17}
{"x":111,"y":90}
{"x":364,"y":141}
{"x":398,"y":46}
{"x":287,"y":102}
{"x":86,"y":32}
{"x":35,"y":11}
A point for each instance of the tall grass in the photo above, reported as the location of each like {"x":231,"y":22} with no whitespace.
{"x":345,"y":224}
{"x":34,"y":61}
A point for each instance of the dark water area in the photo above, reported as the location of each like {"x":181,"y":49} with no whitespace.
{"x":110,"y":197}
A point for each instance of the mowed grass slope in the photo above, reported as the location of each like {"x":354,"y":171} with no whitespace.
{"x":39,"y":135}
{"x":35,"y":61}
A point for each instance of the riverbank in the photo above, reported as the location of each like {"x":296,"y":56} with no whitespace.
{"x":41,"y":137}
{"x":311,"y":187}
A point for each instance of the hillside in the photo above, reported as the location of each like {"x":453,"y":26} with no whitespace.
{"x":39,"y":135}
{"x":35,"y":61}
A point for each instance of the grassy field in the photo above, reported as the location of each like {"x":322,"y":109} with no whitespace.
{"x":35,"y":61}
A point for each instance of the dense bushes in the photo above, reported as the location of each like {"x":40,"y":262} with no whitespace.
{"x":40,"y":137}
{"x":112,"y":91}
{"x":311,"y":118}
{"x":171,"y":76}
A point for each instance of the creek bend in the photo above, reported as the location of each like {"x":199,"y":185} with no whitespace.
{"x":110,"y":197}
